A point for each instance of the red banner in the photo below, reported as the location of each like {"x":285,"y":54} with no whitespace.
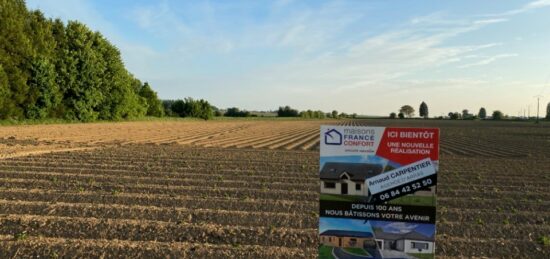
{"x":408,"y":145}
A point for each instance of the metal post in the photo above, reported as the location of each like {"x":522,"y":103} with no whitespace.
{"x":538,"y":106}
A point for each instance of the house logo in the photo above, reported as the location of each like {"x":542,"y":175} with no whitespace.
{"x":333,"y":137}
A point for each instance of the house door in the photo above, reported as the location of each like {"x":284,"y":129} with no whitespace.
{"x":344,"y":187}
{"x":339,"y":242}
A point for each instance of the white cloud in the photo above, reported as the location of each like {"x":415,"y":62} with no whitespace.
{"x":158,"y":19}
{"x":490,"y":21}
{"x":489,"y":60}
{"x":367,"y":70}
{"x":530,"y":6}
{"x":378,"y":60}
{"x":399,"y":227}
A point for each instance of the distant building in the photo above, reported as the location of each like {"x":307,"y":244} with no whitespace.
{"x":345,"y":238}
{"x":411,"y":242}
{"x":347,"y":178}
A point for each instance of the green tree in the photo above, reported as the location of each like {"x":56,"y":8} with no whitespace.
{"x":320,"y":115}
{"x":407,"y":110}
{"x":178,"y":107}
{"x":334,"y":114}
{"x":4,"y":90}
{"x":167,"y":105}
{"x":454,"y":115}
{"x":498,"y":115}
{"x":15,"y":51}
{"x":393,"y":115}
{"x":548,"y":111}
{"x":48,"y":69}
{"x":154,"y":105}
{"x":236,"y":112}
{"x":61,"y":62}
{"x":193,"y":108}
{"x":466,"y":114}
{"x":39,"y":30}
{"x":482,"y":113}
{"x":44,"y":94}
{"x":123,"y":99}
{"x":83,"y":95}
{"x":287,"y":112}
{"x":401,"y":115}
{"x":205,"y":110}
{"x":423,"y":110}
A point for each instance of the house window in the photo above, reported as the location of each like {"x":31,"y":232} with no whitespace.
{"x":330,"y":185}
{"x":419,"y":245}
{"x":357,"y":186}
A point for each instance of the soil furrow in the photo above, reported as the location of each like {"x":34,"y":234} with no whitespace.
{"x":145,"y":230}
{"x":195,"y":191}
{"x":44,"y":247}
{"x":92,"y":179}
{"x":189,"y":202}
{"x":170,"y":214}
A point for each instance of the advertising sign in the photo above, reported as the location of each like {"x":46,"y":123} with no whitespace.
{"x":378,"y":192}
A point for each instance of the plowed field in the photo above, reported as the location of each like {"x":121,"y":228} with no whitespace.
{"x":247,"y":189}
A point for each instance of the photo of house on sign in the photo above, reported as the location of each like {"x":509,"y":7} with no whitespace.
{"x":347,"y":178}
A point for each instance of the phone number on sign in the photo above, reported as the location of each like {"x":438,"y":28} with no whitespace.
{"x":409,"y":188}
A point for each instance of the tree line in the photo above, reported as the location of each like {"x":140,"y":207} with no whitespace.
{"x":49,"y":69}
{"x":287,"y":111}
{"x":407,"y":111}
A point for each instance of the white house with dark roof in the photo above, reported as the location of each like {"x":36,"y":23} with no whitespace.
{"x":347,"y":178}
{"x":411,"y":242}
{"x":347,"y":238}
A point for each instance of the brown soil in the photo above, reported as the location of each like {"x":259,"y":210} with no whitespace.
{"x":247,"y":189}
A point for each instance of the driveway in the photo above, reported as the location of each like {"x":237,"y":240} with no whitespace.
{"x":340,"y":253}
{"x":392,"y":254}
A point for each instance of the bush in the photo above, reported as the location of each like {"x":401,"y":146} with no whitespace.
{"x":191,"y":108}
{"x":235,"y":112}
{"x":154,"y":105}
{"x":498,"y":115}
{"x":309,"y":114}
{"x":482,"y":113}
{"x":454,"y":115}
{"x":287,"y":112}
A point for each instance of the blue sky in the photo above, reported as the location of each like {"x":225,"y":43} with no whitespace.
{"x":355,"y":159}
{"x":367,"y":57}
{"x":403,"y":227}
{"x":327,"y":223}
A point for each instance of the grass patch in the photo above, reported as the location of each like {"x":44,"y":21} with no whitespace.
{"x":422,"y":256}
{"x":356,"y":251}
{"x":336,"y":197}
{"x":544,"y":240}
{"x":20,"y":236}
{"x":325,"y":252}
{"x":414,"y":200}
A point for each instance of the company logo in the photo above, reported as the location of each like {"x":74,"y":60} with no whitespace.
{"x":333,"y":137}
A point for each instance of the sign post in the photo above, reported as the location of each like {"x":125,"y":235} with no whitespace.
{"x":378,"y":192}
